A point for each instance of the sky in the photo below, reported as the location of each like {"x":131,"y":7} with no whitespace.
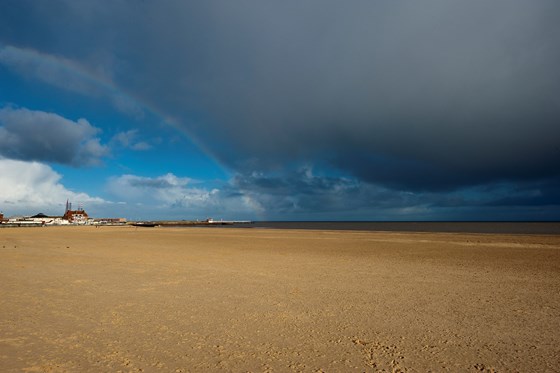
{"x":281,"y":110}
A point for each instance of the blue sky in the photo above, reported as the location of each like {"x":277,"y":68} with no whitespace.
{"x":388,"y":110}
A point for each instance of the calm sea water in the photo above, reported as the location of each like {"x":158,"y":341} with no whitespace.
{"x":449,"y":227}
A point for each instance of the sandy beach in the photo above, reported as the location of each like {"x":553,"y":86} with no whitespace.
{"x":85,"y":299}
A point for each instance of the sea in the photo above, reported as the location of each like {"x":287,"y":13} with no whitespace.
{"x":549,"y":228}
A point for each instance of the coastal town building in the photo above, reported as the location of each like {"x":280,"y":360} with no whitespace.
{"x":48,"y":220}
{"x":41,"y":218}
{"x":70,"y":217}
{"x":34,"y":221}
{"x":78,"y":216}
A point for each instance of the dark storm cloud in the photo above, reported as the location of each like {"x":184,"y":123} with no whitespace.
{"x":48,"y":137}
{"x":300,"y":193}
{"x":534,"y":193}
{"x":432,"y":95}
{"x":424,"y":95}
{"x":419,"y":96}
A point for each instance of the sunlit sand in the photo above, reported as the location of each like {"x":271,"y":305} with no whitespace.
{"x":85,"y":299}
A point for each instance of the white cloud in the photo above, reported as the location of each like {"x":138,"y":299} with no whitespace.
{"x":30,"y":187}
{"x":171,"y":197}
{"x":167,"y":189}
{"x":41,"y":136}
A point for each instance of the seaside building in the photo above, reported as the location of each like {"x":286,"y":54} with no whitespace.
{"x":47,"y":220}
{"x":78,"y":216}
{"x":41,"y":218}
{"x":70,"y":217}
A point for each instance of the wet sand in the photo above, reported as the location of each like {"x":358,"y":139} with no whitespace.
{"x":85,"y":299}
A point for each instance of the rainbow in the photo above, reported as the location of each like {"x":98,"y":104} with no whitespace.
{"x":67,"y":74}
{"x":70,"y":75}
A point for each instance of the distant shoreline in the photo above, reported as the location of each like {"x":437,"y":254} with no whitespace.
{"x":480,"y":227}
{"x":428,"y":227}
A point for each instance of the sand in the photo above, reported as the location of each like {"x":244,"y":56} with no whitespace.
{"x":85,"y":299}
